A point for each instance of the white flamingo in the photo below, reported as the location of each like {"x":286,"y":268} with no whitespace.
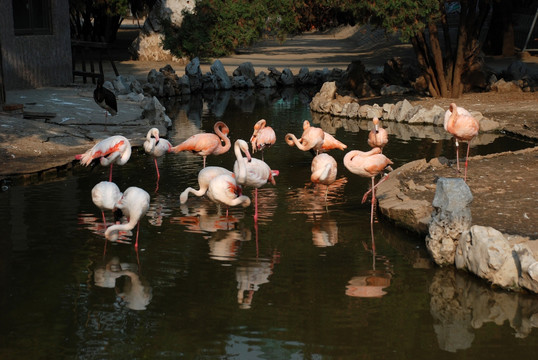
{"x":115,"y":149}
{"x":134,"y":204}
{"x":224,"y":190}
{"x":204,"y":177}
{"x":105,"y":195}
{"x":156,"y":146}
{"x":251,"y":172}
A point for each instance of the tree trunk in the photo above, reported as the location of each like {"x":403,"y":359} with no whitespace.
{"x":420,"y":48}
{"x":437,"y":55}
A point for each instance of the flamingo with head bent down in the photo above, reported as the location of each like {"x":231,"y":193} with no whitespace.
{"x":324,"y":169}
{"x":224,"y":190}
{"x":367,"y":164}
{"x":105,"y":195}
{"x":204,"y":177}
{"x":156,"y":146}
{"x":134,"y":204}
{"x":463,"y":126}
{"x":251,"y":172}
{"x":207,"y":144}
{"x":263,"y":137}
{"x":115,"y":149}
{"x":311,"y":139}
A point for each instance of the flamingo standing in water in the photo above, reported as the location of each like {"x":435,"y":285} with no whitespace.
{"x":207,"y":144}
{"x":378,"y":137}
{"x":134,"y":204}
{"x":105,"y":195}
{"x":224,"y":190}
{"x":263,"y":137}
{"x":312,"y":138}
{"x":324,"y":169}
{"x":251,"y":172}
{"x":367,"y":164}
{"x":204,"y":177}
{"x":115,"y":149}
{"x":330,"y":143}
{"x":156,"y":146}
{"x":463,"y":126}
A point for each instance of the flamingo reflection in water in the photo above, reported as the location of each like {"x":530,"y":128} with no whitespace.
{"x":133,"y":290}
{"x":324,"y":231}
{"x":201,"y":221}
{"x":371,"y":283}
{"x":250,"y":274}
{"x":224,"y":245}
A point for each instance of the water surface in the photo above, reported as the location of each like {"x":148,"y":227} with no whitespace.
{"x":303,"y":283}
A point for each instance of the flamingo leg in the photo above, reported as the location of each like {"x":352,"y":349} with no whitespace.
{"x":366,"y":193}
{"x":104,"y":220}
{"x":157,"y":168}
{"x":136,"y":242}
{"x":466,"y":161}
{"x":204,"y":161}
{"x":457,"y":155}
{"x":110,"y":174}
{"x":373,"y":203}
{"x":256,"y":205}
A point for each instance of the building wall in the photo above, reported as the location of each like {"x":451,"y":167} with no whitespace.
{"x":33,"y":61}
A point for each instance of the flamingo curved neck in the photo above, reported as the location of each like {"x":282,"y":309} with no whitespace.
{"x":292,"y":140}
{"x":241,"y":170}
{"x":111,"y":231}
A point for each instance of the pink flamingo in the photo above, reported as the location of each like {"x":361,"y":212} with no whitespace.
{"x":115,"y":149}
{"x":134,"y":204}
{"x":367,"y":164}
{"x":224,"y":190}
{"x":105,"y":195}
{"x":251,"y":172}
{"x":330,"y":143}
{"x":156,"y":146}
{"x":378,"y":136}
{"x":263,"y":137}
{"x":204,"y":177}
{"x":312,"y":138}
{"x":463,"y":126}
{"x":324,"y":169}
{"x":207,"y":144}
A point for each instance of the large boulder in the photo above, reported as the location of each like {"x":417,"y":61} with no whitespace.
{"x":451,"y":217}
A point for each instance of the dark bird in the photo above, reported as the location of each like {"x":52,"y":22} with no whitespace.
{"x":105,"y":99}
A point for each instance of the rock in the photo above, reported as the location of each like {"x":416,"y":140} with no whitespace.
{"x":222,"y":79}
{"x":450,"y":218}
{"x":485,"y":252}
{"x":155,"y":113}
{"x":528,"y":264}
{"x":517,"y":70}
{"x":488,"y":125}
{"x":502,"y":86}
{"x":394,"y":90}
{"x":264,"y":81}
{"x":245,"y":69}
{"x":192,"y":70}
{"x":287,"y":78}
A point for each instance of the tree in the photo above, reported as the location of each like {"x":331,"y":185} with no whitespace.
{"x":444,"y":61}
{"x":99,"y":20}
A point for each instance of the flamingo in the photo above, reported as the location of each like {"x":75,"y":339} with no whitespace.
{"x":134,"y":204}
{"x":312,"y":138}
{"x":251,"y":172}
{"x":330,"y":143}
{"x":464,"y":127}
{"x":105,"y":99}
{"x":204,"y":177}
{"x":207,"y":144}
{"x":115,"y":149}
{"x":156,"y":146}
{"x":224,"y":190}
{"x":367,"y":164}
{"x":378,"y":136}
{"x":263,"y":136}
{"x":324,"y":170}
{"x":105,"y":195}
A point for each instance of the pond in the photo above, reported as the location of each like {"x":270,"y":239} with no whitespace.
{"x":302,"y":283}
